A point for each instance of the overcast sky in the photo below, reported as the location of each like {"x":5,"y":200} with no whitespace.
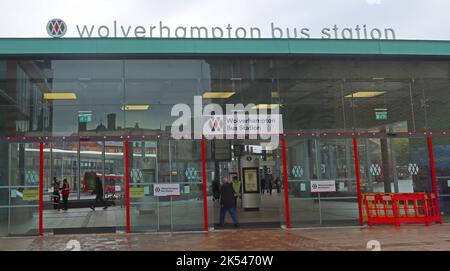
{"x":411,"y":19}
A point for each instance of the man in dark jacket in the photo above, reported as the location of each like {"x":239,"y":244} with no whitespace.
{"x":98,"y":191}
{"x":270,"y":185}
{"x":227,"y":202}
{"x":56,"y":196}
{"x":216,"y":189}
{"x":263,"y":185}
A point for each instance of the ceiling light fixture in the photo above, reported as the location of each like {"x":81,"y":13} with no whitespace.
{"x":266,"y":106}
{"x":365,"y":94}
{"x":60,"y":96}
{"x":135,"y":107}
{"x":218,"y":95}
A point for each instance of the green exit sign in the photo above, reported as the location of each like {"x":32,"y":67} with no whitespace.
{"x":381,"y":115}
{"x":85,"y":117}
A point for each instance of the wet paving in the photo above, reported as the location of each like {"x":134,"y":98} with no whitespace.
{"x":408,"y":237}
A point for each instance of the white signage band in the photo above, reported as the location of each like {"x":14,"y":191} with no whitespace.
{"x":324,"y":186}
{"x":166,"y":189}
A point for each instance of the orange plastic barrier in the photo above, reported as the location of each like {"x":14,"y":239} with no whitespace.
{"x":396,"y":208}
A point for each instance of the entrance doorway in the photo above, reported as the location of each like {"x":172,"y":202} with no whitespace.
{"x":163,"y":161}
{"x":93,"y":169}
{"x":313,"y":159}
{"x":256,"y":176}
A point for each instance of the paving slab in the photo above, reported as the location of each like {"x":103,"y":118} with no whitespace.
{"x":404,"y":238}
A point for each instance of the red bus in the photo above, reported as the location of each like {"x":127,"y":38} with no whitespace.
{"x":113,"y":185}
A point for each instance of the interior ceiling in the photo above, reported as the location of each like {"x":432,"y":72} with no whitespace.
{"x":300,"y":80}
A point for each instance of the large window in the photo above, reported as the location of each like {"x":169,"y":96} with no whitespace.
{"x":117,"y":96}
{"x":59,"y":97}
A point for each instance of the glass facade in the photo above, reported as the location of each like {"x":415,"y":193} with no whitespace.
{"x":101,"y":101}
{"x":314,"y":93}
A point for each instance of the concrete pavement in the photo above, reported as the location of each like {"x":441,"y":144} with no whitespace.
{"x":406,"y":237}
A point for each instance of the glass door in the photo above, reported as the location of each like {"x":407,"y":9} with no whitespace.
{"x":84,"y":186}
{"x":313,"y":162}
{"x":397,"y":164}
{"x":441,"y":150}
{"x":170,"y":162}
{"x":335,"y":163}
{"x":21,"y":205}
{"x":144,"y":215}
{"x":257,"y":172}
{"x":61,"y":163}
{"x":186,"y":172}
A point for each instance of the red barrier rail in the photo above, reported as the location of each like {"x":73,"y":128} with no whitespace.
{"x":396,"y":208}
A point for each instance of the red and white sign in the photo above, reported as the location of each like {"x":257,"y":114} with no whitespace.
{"x":323,"y":186}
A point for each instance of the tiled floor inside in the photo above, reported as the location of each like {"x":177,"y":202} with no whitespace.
{"x":188,"y":215}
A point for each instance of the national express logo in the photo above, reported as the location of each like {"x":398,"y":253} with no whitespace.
{"x":215,"y":123}
{"x":56,"y":28}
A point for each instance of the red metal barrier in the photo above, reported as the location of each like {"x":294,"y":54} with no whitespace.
{"x":396,"y":208}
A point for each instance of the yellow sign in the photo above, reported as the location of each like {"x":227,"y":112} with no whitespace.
{"x":30,"y":194}
{"x":137,"y":192}
{"x":250,"y":180}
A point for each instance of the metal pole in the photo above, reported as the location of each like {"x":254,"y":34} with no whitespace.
{"x":307,"y":168}
{"x":425,"y":105}
{"x":157,"y":181}
{"x":51,"y":162}
{"x":9,"y":189}
{"x":318,"y":160}
{"x":394,"y":165}
{"x":170,"y":181}
{"x":367,"y":167}
{"x":286,"y":185}
{"x":103,"y":160}
{"x":348,"y":163}
{"x":41,"y":189}
{"x":127,"y":186}
{"x":358,"y":179}
{"x":332,"y":173}
{"x":343,"y":104}
{"x":205,"y":198}
{"x":433,"y":176}
{"x":412,"y":105}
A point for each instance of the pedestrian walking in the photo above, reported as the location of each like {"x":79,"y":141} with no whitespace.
{"x":263,"y":185}
{"x":270,"y":185}
{"x":227,"y":203}
{"x":65,"y":191}
{"x":55,"y":195}
{"x":98,"y":191}
{"x":277,"y":185}
{"x":236,"y":188}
